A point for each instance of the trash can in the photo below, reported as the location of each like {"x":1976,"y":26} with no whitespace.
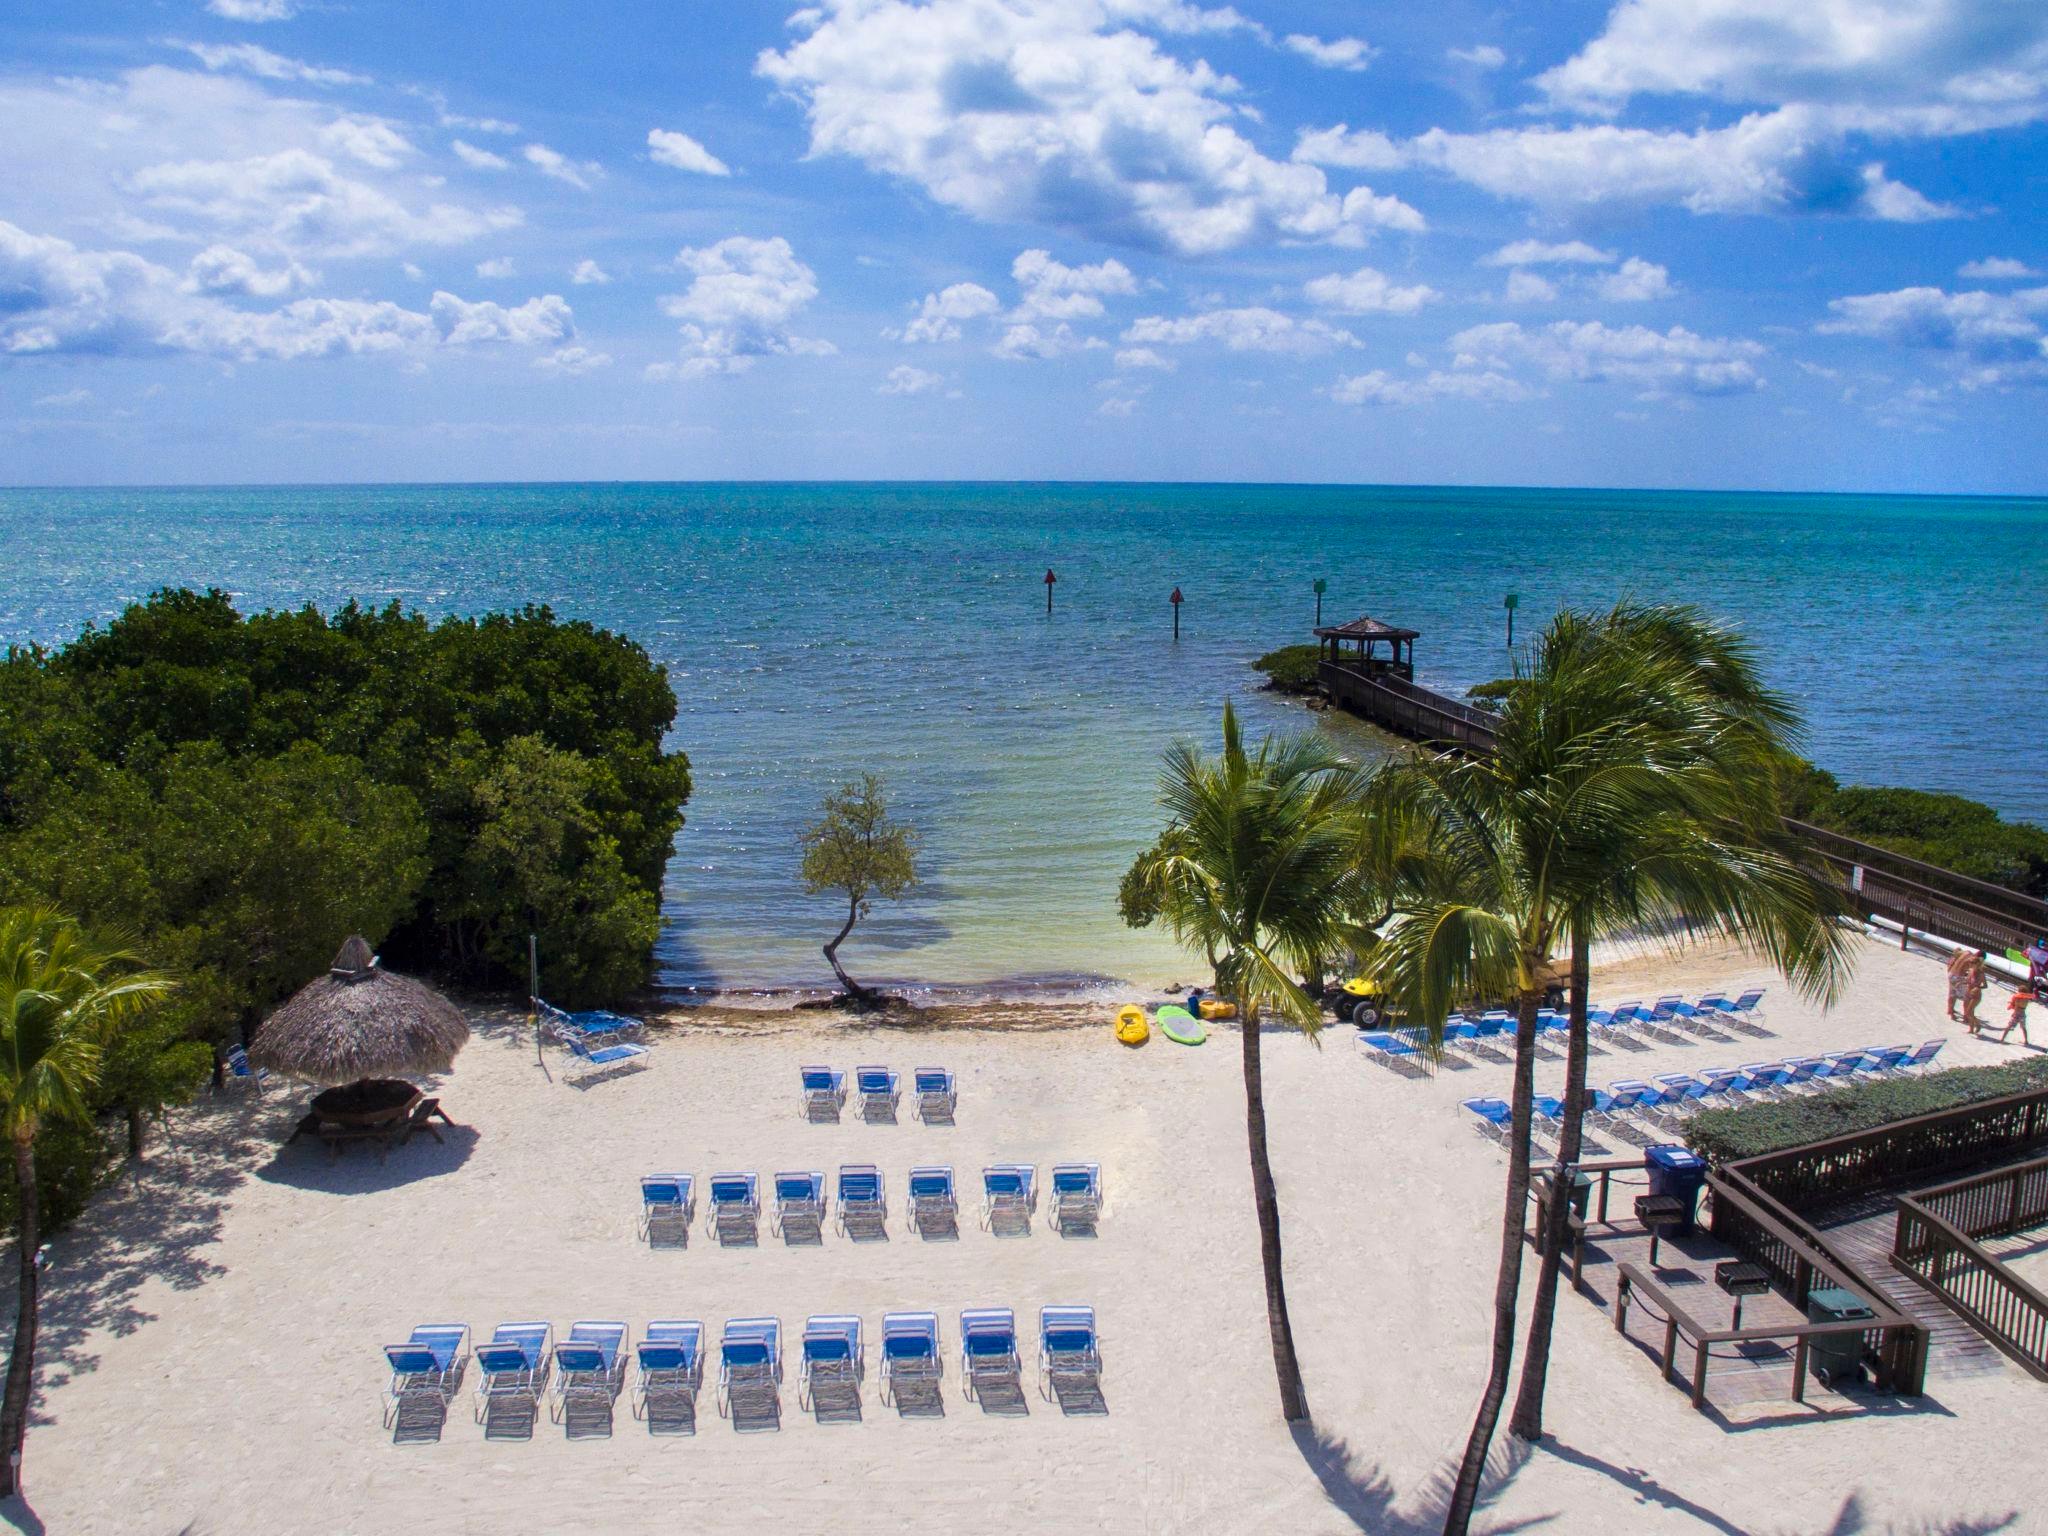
{"x":1680,"y":1173}
{"x":1835,"y":1356}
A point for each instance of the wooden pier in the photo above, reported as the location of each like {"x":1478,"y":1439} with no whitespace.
{"x":1381,"y":687}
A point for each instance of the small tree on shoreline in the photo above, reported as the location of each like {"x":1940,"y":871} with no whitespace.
{"x":854,"y":848}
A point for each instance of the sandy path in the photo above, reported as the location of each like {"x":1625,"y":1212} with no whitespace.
{"x":214,"y":1366}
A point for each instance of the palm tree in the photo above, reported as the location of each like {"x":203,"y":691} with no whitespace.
{"x":1719,"y":866}
{"x":1621,"y":786}
{"x":60,"y":997}
{"x":1257,"y":872}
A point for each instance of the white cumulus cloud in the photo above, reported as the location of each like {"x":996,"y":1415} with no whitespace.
{"x":1526,"y":287}
{"x":1254,"y":329}
{"x":1056,"y":112}
{"x":569,"y":362}
{"x":1536,"y":253}
{"x":223,"y":269}
{"x":497,"y":266}
{"x":906,"y":380}
{"x":1676,"y":361}
{"x":261,"y":62}
{"x":1635,"y":281}
{"x":939,"y":314}
{"x":1994,"y":338}
{"x":1349,"y":53}
{"x":553,"y":163}
{"x":1382,"y":388}
{"x":1996,"y":269}
{"x":683,"y":153}
{"x":1367,"y":291}
{"x":478,"y":159}
{"x":587,"y":271}
{"x":253,"y":10}
{"x":743,"y":294}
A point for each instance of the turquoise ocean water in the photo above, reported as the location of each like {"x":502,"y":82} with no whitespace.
{"x":815,"y":631}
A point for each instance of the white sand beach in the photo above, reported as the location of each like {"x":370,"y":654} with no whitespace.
{"x":211,"y":1360}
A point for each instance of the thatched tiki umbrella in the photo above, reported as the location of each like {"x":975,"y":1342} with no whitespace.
{"x":358,"y":1027}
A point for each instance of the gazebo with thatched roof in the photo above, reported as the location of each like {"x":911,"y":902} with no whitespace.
{"x":356,"y":1031}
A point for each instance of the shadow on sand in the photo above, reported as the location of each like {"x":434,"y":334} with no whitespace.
{"x":1363,"y":1493}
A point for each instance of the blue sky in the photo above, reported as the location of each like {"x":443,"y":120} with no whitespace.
{"x":1667,"y":242}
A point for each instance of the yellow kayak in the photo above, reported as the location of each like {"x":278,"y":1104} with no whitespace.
{"x":1132,"y":1028}
{"x":1216,"y":1008}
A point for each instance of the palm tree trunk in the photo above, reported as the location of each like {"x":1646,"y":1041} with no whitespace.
{"x":1507,"y":1287}
{"x":21,"y":1365}
{"x":1266,"y":1200}
{"x":853,"y":988}
{"x":1527,"y":1423}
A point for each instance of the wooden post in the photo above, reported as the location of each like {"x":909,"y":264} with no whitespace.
{"x":1320,"y":585}
{"x":1049,"y":580}
{"x":1799,"y":1369}
{"x":533,"y":989}
{"x":1176,"y":601}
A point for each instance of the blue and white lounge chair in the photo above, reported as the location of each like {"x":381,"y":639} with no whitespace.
{"x":1918,"y":1058}
{"x":671,"y":1372}
{"x":988,"y":1351}
{"x":910,"y":1355}
{"x":879,"y":1090}
{"x":1008,"y":1197}
{"x":799,"y":1203}
{"x":934,"y":1207}
{"x":1392,"y":1051}
{"x":733,"y":1213}
{"x":1851,"y":1063}
{"x":1630,"y":1017}
{"x":863,"y":1202}
{"x":1673,"y":1012}
{"x":239,"y":1069}
{"x":1681,"y":1096}
{"x":1750,"y":1005}
{"x":750,"y":1369}
{"x":1076,"y":1196}
{"x":1764,"y":1080}
{"x":824,"y":1093}
{"x":426,"y":1370}
{"x":1546,"y":1114}
{"x":937,"y":1095}
{"x":1495,"y":1118}
{"x":1069,"y":1352}
{"x":833,"y":1364}
{"x":1615,"y":1108}
{"x":590,"y":1372}
{"x":596,"y":1026}
{"x":514,"y":1365}
{"x":1803,"y":1075}
{"x":668,"y":1204}
{"x":596,"y":1058}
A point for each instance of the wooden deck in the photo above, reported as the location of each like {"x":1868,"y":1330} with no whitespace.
{"x":1863,"y":1234}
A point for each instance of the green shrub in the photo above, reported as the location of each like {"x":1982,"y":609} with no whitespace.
{"x":1729,"y":1135}
{"x":1292,"y":668}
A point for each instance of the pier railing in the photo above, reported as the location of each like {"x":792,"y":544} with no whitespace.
{"x":1408,"y":708}
{"x":1936,"y":1243}
{"x":1925,"y":897}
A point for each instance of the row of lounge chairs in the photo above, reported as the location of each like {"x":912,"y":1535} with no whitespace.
{"x":878,"y":1091}
{"x":733,"y":1209}
{"x":583,"y":1374}
{"x":1634,"y":1109}
{"x":1491,"y":1035}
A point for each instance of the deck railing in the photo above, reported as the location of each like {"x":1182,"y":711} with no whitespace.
{"x":1936,"y":1244}
{"x":1408,"y":708}
{"x":1925,"y":898}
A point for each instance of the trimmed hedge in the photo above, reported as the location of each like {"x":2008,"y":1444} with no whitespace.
{"x":1728,"y":1135}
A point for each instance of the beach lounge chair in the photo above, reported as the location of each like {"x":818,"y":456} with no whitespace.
{"x":750,"y":1370}
{"x":1918,"y":1058}
{"x":1546,"y":1114}
{"x":1765,"y":1080}
{"x":514,"y":1365}
{"x":238,"y":1069}
{"x":590,"y":1372}
{"x":824,"y":1093}
{"x":1076,"y":1196}
{"x":934,"y":1207}
{"x":1849,"y":1063}
{"x":1461,"y":1040}
{"x":1614,"y":1108}
{"x":1675,"y":1013}
{"x":832,"y":1366}
{"x":910,"y":1355}
{"x":863,"y":1202}
{"x":1394,"y":1052}
{"x":1069,"y":1353}
{"x":426,"y":1371}
{"x":799,"y":1202}
{"x":668,"y":1204}
{"x":671,"y":1372}
{"x":937,"y":1095}
{"x":1009,"y":1195}
{"x":879,"y":1091}
{"x":599,"y":1059}
{"x":1494,"y":1118}
{"x":734,"y":1211}
{"x":988,"y":1351}
{"x":597,"y":1024}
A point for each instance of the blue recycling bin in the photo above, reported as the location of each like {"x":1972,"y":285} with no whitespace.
{"x":1680,"y":1173}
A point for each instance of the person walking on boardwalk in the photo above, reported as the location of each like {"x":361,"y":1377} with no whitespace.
{"x":1966,"y":986}
{"x":2016,"y":1015}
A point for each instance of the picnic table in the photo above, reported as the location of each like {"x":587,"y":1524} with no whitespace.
{"x":387,"y":1115}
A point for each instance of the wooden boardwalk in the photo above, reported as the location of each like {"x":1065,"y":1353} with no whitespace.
{"x":1863,"y":1234}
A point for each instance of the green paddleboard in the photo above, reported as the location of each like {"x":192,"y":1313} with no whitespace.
{"x":1180,"y":1026}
